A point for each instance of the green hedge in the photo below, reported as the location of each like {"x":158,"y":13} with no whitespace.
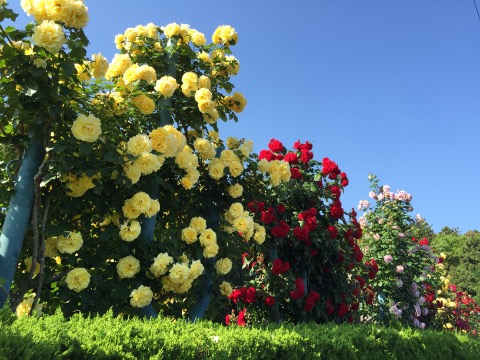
{"x":54,"y":337}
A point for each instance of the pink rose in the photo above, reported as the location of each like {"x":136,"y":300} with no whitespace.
{"x":388,"y":258}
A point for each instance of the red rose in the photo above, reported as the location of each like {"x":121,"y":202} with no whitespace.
{"x":295,"y":173}
{"x":275,"y":146}
{"x":286,"y":266}
{"x":251,"y":295}
{"x":330,"y":168}
{"x":311,"y":223}
{"x":267,"y":155}
{"x":236,"y":295}
{"x":344,"y":179}
{"x":313,"y":252}
{"x":269,"y":215}
{"x":279,"y":157}
{"x":333,"y":231}
{"x":277,"y":267}
{"x":227,"y":319}
{"x":336,"y":192}
{"x":256,"y":206}
{"x":336,"y":210}
{"x":296,"y":145}
{"x":341,"y":256}
{"x":342,"y":310}
{"x":241,"y":318}
{"x":269,"y":301}
{"x":309,"y":304}
{"x":424,"y":241}
{"x":281,"y":208}
{"x":291,"y":158}
{"x":301,"y":233}
{"x":306,"y":156}
{"x":281,"y":230}
{"x":360,"y":280}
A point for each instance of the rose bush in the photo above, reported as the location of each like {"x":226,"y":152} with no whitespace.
{"x":406,"y":282}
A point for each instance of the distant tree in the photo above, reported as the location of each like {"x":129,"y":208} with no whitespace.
{"x":422,"y":229}
{"x":450,"y":231}
{"x":466,"y":274}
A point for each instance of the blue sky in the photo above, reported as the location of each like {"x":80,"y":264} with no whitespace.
{"x":389,"y":87}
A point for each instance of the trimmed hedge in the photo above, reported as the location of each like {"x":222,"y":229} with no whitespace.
{"x":54,"y":337}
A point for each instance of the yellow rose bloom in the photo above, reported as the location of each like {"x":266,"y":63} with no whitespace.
{"x":186,"y":159}
{"x":206,"y":106}
{"x":99,"y":66}
{"x":144,"y":104}
{"x":205,"y":148}
{"x":70,"y":244}
{"x":228,"y":156}
{"x":49,"y":35}
{"x":232,"y":143}
{"x":132,"y":172}
{"x":210,"y":251}
{"x":28,"y":265}
{"x":198,"y":223}
{"x":189,"y":235}
{"x":36,"y":8}
{"x":223,"y":266}
{"x":23,"y":309}
{"x":160,"y":264}
{"x":246,"y":148}
{"x":203,"y":95}
{"x":82,"y":72}
{"x":264,"y":166}
{"x":118,"y":66}
{"x":179,"y":273}
{"x":130,"y":231}
{"x":225,"y":35}
{"x":139,"y":72}
{"x":193,"y":175}
{"x":166,"y":86}
{"x":244,"y":224}
{"x":141,"y":201}
{"x":235,"y":210}
{"x":207,"y":237}
{"x":141,"y":297}
{"x":153,"y":209}
{"x":216,"y":168}
{"x":76,"y":15}
{"x":260,"y":234}
{"x":164,"y":142}
{"x":235,"y":191}
{"x":236,"y":102}
{"x":204,"y":82}
{"x":77,"y":279}
{"x":172,"y":29}
{"x":196,"y":269}
{"x":203,"y":56}
{"x":86,"y":128}
{"x":225,"y":288}
{"x":138,"y":144}
{"x":197,"y":38}
{"x":51,"y":250}
{"x":186,"y":183}
{"x":128,"y":267}
{"x":129,"y":209}
{"x":235,"y":168}
{"x":147,"y":163}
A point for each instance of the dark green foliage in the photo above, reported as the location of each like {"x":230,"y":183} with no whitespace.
{"x":54,"y":337}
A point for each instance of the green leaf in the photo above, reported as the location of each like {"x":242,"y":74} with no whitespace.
{"x":85,"y":148}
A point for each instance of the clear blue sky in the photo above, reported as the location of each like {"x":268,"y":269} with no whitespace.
{"x":389,"y":87}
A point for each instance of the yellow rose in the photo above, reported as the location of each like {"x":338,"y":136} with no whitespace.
{"x":260,"y":234}
{"x":264,"y":166}
{"x":129,"y":232}
{"x":153,"y":209}
{"x":49,"y":35}
{"x":196,"y":269}
{"x":164,"y":142}
{"x":77,"y":279}
{"x":235,"y":210}
{"x":193,"y":175}
{"x":206,"y":106}
{"x":204,"y":82}
{"x":147,"y":163}
{"x":51,"y":247}
{"x":86,"y":128}
{"x":205,"y":148}
{"x":179,"y":273}
{"x":128,"y":267}
{"x":70,"y":244}
{"x":141,"y":297}
{"x":139,"y":72}
{"x":225,"y":35}
{"x":210,"y":251}
{"x":23,"y":309}
{"x":138,"y":144}
{"x":144,"y":104}
{"x":129,"y":209}
{"x":208,"y":237}
{"x":203,"y":95}
{"x":244,"y":224}
{"x":216,"y":169}
{"x":166,"y":86}
{"x":235,"y":168}
{"x":118,"y":66}
{"x":141,"y":201}
{"x":225,"y":288}
{"x":235,"y":190}
{"x":99,"y":66}
{"x":223,"y":266}
{"x":197,"y":38}
{"x":232,"y":143}
{"x":160,"y":264}
{"x":132,"y":172}
{"x":186,"y":159}
{"x":172,"y":29}
{"x":236,"y":102}
{"x":198,"y":223}
{"x":189,"y":235}
{"x":28,"y":265}
{"x":36,"y":8}
{"x":246,"y":148}
{"x":76,"y":15}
